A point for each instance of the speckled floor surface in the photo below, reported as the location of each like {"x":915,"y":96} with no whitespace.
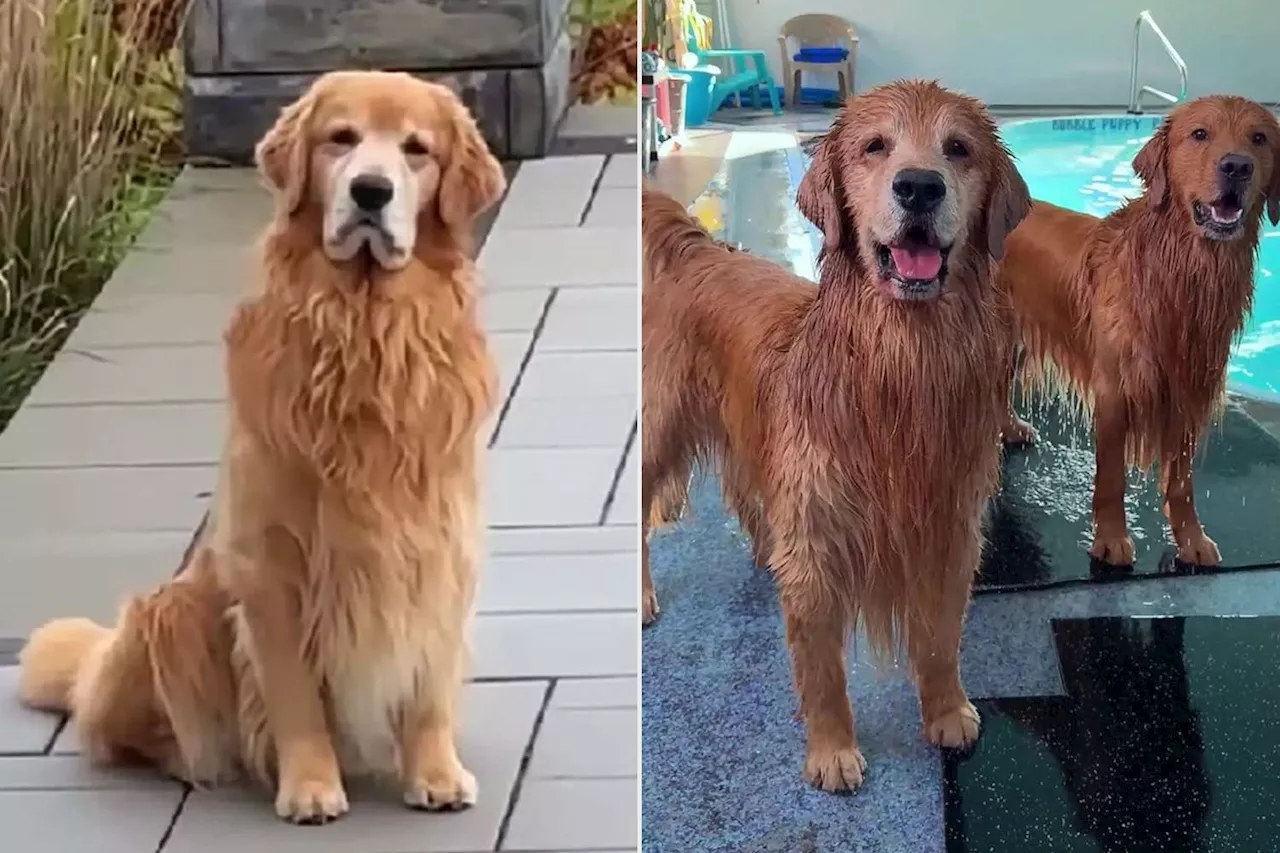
{"x":721,"y":752}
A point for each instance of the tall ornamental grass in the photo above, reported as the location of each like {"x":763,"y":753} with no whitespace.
{"x":89,"y":114}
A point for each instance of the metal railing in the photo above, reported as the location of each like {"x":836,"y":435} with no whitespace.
{"x":1135,"y":91}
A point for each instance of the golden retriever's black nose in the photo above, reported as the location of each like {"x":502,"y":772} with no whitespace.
{"x":919,"y":190}
{"x":370,"y":192}
{"x":1236,"y":168}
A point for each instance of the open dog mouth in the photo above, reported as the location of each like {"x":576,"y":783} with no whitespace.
{"x":1220,"y":219}
{"x":913,"y":267}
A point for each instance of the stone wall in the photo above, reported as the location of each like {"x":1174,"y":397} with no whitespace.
{"x":508,"y":59}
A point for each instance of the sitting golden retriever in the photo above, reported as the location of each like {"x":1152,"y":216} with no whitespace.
{"x":1136,"y":312}
{"x":320,"y":627}
{"x":854,"y":423}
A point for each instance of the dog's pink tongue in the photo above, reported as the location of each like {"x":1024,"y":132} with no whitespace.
{"x":917,"y":263}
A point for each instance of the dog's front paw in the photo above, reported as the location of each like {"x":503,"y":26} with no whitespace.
{"x":835,"y":769}
{"x":1115,"y":550}
{"x":649,"y":608}
{"x":311,"y":801}
{"x":451,"y":790}
{"x":955,"y":729}
{"x":1199,"y":550}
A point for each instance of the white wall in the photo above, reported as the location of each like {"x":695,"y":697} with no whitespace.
{"x":1041,"y":52}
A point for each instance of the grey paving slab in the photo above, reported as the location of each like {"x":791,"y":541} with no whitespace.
{"x":615,"y":206}
{"x":102,"y":500}
{"x":548,"y":193}
{"x":596,"y":318}
{"x":587,"y":743}
{"x":73,"y":773}
{"x":599,"y":120}
{"x":562,"y":582}
{"x":62,"y":574}
{"x":555,"y":645}
{"x":123,"y":821}
{"x":22,"y":730}
{"x":122,"y":318}
{"x":146,"y":434}
{"x":563,"y":257}
{"x":623,"y":170}
{"x":132,"y":375}
{"x":547,"y":486}
{"x":596,"y":692}
{"x":168,"y":374}
{"x":497,"y":722}
{"x":604,"y":815}
{"x":561,"y":375}
{"x":625,"y":508}
{"x":579,"y":539}
{"x":573,"y":422}
{"x":200,"y":265}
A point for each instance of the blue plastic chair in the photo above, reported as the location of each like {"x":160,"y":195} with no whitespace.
{"x":741,"y":71}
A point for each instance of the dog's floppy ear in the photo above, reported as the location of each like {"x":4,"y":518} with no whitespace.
{"x":1152,"y":165}
{"x":819,"y":195}
{"x":1008,"y":203}
{"x":473,"y":179}
{"x":282,"y":153}
{"x":1273,"y":190}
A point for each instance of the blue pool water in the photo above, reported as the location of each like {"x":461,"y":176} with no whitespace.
{"x":1083,"y":163}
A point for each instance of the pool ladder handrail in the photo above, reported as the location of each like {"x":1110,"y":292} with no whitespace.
{"x":1136,"y":92}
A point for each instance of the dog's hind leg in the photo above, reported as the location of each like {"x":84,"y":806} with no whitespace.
{"x":744,"y":500}
{"x":1016,"y":432}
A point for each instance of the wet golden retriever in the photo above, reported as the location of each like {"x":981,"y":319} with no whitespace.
{"x":320,"y":629}
{"x":854,"y":423}
{"x":1136,"y":312}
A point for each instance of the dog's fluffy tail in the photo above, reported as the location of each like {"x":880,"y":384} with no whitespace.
{"x":669,"y":232}
{"x":50,"y":662}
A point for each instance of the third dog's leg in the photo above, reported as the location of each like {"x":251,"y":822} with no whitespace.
{"x":1194,"y":546}
{"x":816,"y":634}
{"x":950,"y":719}
{"x":1111,"y":541}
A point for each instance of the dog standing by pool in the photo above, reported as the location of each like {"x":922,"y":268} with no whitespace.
{"x":854,"y":423}
{"x":1136,"y":313}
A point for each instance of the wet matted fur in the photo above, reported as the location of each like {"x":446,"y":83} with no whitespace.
{"x":1135,"y":314}
{"x":855,"y":432}
{"x":320,"y":628}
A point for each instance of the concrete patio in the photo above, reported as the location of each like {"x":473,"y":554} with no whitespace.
{"x":106,"y":469}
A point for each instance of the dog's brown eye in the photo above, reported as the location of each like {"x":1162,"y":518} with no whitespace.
{"x":1199,"y":134}
{"x":955,"y":148}
{"x":344,"y":136}
{"x":875,"y":146}
{"x":1259,"y":139}
{"x":413,"y":147}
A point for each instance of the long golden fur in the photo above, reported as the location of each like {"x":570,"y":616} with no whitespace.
{"x":1136,"y":312}
{"x":320,"y":628}
{"x":855,"y":432}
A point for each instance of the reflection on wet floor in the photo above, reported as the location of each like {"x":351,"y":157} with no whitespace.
{"x":1165,"y":742}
